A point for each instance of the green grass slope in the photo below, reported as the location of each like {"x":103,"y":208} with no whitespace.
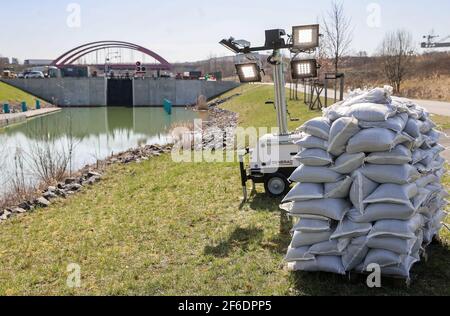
{"x":9,"y":94}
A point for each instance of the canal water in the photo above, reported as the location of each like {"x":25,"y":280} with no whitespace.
{"x":89,"y":133}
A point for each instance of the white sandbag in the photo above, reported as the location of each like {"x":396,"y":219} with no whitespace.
{"x":400,"y":155}
{"x":428,"y":143}
{"x":338,"y":190}
{"x":375,"y":140}
{"x":434,"y":187}
{"x":362,"y":187}
{"x":307,"y":174}
{"x":355,"y":253}
{"x":306,"y":225}
{"x":312,"y":142}
{"x":402,"y":104}
{"x":427,"y":126}
{"x":393,"y":193}
{"x":304,"y":192}
{"x":314,"y":158}
{"x":341,"y":131}
{"x":440,"y":173}
{"x":437,"y":221}
{"x":434,"y":136}
{"x":349,"y":229}
{"x":336,"y":111}
{"x":298,"y":254}
{"x":396,"y":124}
{"x":371,"y":112}
{"x":418,"y":143}
{"x":396,"y":228}
{"x":432,"y":155}
{"x":418,"y":155}
{"x":307,"y":239}
{"x":288,"y":207}
{"x":326,"y":248}
{"x":377,"y":95}
{"x":331,"y":208}
{"x":396,"y":245}
{"x":330,"y":264}
{"x":347,"y":163}
{"x":416,"y":250}
{"x":422,"y":197}
{"x":319,"y":127}
{"x":395,"y":174}
{"x":413,"y":128}
{"x":416,"y":112}
{"x":380,"y":211}
{"x":383,"y":258}
{"x":436,"y":165}
{"x":403,"y":270}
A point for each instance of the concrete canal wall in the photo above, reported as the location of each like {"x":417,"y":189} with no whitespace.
{"x":146,"y":92}
{"x":9,"y":119}
{"x":151,"y":92}
{"x":66,"y":92}
{"x":15,"y":118}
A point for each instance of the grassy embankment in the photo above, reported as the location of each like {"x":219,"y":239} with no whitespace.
{"x":14,"y":96}
{"x":162,"y":228}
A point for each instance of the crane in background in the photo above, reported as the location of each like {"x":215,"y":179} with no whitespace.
{"x":431,"y":41}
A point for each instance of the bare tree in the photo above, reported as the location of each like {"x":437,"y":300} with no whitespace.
{"x":396,"y":51}
{"x":338,"y":33}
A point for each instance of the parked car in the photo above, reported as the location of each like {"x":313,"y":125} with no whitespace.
{"x":35,"y":75}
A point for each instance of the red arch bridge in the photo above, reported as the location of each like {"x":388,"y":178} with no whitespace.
{"x":70,"y":57}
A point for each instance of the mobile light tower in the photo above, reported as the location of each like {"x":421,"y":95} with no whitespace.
{"x":274,"y":168}
{"x":432,"y":43}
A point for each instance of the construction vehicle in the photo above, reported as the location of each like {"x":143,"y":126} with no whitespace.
{"x":431,"y":41}
{"x":8,"y":74}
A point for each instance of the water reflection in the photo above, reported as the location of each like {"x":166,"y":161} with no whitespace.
{"x":96,"y":133}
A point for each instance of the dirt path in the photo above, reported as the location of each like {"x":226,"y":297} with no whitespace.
{"x":435,"y":107}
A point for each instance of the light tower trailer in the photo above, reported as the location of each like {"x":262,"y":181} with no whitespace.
{"x":272,"y":160}
{"x":263,"y":169}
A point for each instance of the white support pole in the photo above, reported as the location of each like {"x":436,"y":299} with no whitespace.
{"x":280,"y":93}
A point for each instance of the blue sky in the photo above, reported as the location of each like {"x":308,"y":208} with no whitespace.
{"x":185,"y":30}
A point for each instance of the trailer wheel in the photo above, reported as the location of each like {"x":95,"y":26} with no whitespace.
{"x":277,"y":185}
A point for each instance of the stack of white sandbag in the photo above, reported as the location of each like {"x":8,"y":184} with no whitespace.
{"x":369,"y":188}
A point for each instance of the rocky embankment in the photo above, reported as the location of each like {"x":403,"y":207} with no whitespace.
{"x":219,"y":131}
{"x":62,"y":190}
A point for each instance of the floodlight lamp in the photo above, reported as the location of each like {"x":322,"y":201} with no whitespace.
{"x":230,"y":44}
{"x":304,"y":68}
{"x":242,"y":43}
{"x":305,"y":37}
{"x":249,"y":72}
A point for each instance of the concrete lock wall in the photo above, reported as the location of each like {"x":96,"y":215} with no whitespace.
{"x":150,"y":92}
{"x":67,"y":91}
{"x":146,"y":92}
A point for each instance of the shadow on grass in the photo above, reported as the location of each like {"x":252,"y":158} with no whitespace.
{"x":280,"y":243}
{"x":428,"y":278}
{"x":241,"y":238}
{"x":262,"y":203}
